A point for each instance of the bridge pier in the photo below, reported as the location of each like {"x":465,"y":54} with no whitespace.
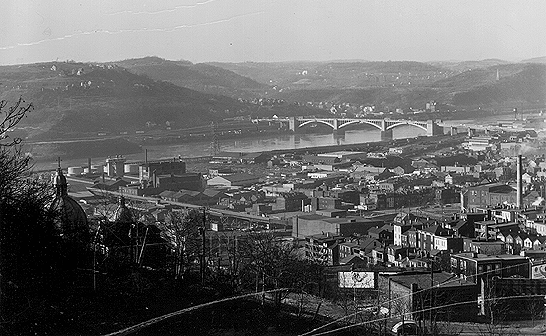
{"x":292,"y":124}
{"x":433,"y":128}
{"x":339,"y":133}
{"x":386,"y":135}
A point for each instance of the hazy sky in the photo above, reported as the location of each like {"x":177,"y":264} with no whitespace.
{"x":272,"y":30}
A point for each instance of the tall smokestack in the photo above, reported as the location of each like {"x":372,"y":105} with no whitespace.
{"x":146,"y":155}
{"x":519,"y":196}
{"x":89,"y":165}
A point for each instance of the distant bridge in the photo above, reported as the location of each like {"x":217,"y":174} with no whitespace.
{"x":340,"y":124}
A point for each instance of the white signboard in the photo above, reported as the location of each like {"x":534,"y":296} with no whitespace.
{"x":356,"y":279}
{"x":538,"y":271}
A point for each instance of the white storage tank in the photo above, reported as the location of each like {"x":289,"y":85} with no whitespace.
{"x":75,"y":171}
{"x":130,"y":168}
{"x":97,"y":168}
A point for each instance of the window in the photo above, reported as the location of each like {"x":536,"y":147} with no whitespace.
{"x":480,"y":269}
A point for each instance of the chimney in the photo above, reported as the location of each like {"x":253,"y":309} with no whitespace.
{"x":146,"y":155}
{"x":89,"y":165}
{"x":519,"y":197}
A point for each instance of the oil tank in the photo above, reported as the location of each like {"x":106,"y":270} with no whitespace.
{"x":75,"y":171}
{"x":97,"y":169}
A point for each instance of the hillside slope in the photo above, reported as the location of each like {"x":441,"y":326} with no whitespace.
{"x":329,"y":75}
{"x":77,"y":99}
{"x":518,"y":84}
{"x":200,"y":77}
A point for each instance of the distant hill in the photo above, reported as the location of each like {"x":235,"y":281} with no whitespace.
{"x":535,"y":60}
{"x":329,"y":75}
{"x":518,"y":83}
{"x":200,"y":77}
{"x":83,"y":99}
{"x":524,"y":84}
{"x":75,"y":99}
{"x":461,"y":66}
{"x":479,"y":76}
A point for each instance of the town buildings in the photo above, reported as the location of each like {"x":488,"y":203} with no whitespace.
{"x":458,"y":218}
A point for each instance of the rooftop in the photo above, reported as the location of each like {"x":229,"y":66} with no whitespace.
{"x":423,"y":280}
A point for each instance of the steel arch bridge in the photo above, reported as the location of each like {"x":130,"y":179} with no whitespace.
{"x":340,"y":124}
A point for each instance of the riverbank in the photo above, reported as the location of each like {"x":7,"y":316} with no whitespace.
{"x":43,"y":152}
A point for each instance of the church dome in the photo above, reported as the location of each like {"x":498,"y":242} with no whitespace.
{"x":71,"y":220}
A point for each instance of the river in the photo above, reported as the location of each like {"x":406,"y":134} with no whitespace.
{"x":268,"y":142}
{"x":251,"y":144}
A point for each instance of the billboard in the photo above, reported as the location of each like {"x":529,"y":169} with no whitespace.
{"x":356,"y":279}
{"x":538,"y":271}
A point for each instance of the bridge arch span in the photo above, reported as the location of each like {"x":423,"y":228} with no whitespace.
{"x":317,"y":121}
{"x":358,"y":122}
{"x":390,"y":127}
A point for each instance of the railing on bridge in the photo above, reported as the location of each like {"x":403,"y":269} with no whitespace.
{"x":340,"y":124}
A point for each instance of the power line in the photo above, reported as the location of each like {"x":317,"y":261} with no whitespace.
{"x":402,"y":297}
{"x":215,"y":143}
{"x":142,"y":325}
{"x":418,"y":311}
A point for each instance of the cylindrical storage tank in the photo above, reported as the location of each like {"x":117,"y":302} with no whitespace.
{"x":75,"y":171}
{"x":131,"y":168}
{"x":97,"y":168}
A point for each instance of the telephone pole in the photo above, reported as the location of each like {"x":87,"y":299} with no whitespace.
{"x":203,"y":245}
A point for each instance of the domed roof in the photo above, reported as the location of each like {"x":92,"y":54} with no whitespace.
{"x":71,"y":219}
{"x":122,"y":213}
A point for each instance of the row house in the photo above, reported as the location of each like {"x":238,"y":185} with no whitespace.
{"x":475,"y":267}
{"x":491,"y":228}
{"x":400,"y":229}
{"x":461,"y":227}
{"x":434,"y":237}
{"x":537,"y":226}
{"x":395,"y":254}
{"x":516,"y":241}
{"x":359,"y":247}
{"x":490,"y":247}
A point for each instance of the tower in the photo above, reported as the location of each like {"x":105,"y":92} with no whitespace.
{"x":215,"y":143}
{"x":498,"y":75}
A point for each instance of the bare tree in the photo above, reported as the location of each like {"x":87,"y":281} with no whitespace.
{"x":29,"y":242}
{"x":181,"y":230}
{"x":12,"y":115}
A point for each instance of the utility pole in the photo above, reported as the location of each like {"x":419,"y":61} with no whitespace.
{"x":95,"y":259}
{"x":431,"y":291}
{"x":203,"y":243}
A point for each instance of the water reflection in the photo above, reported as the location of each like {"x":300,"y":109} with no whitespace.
{"x":245,"y":145}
